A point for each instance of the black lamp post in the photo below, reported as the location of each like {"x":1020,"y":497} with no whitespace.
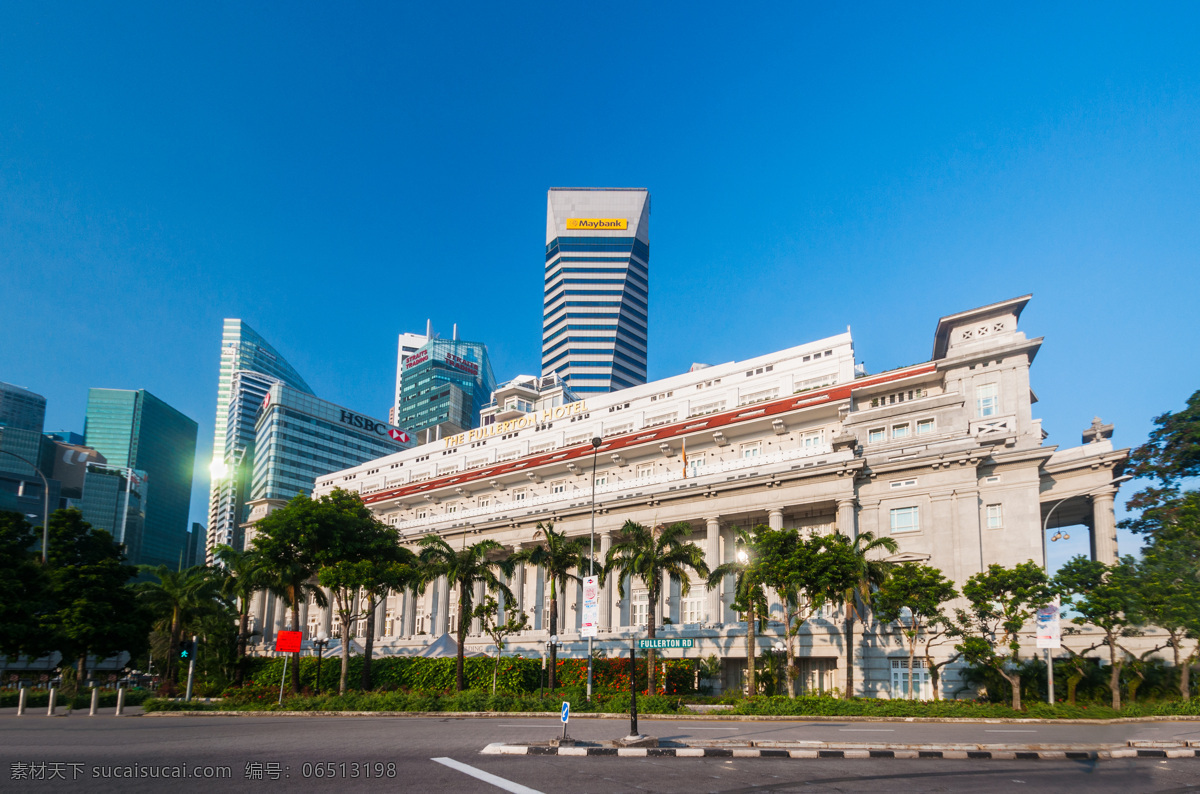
{"x":319,"y":642}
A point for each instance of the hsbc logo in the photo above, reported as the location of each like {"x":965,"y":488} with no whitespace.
{"x":398,"y":435}
{"x":371,"y":426}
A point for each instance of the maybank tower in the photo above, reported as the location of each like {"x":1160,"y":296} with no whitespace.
{"x":597,"y":287}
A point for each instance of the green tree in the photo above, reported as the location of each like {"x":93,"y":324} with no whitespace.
{"x":177,"y":603}
{"x":24,"y":589}
{"x":914,"y":592}
{"x":1001,"y":601}
{"x":749,"y":597}
{"x":652,"y":555}
{"x":488,"y":615}
{"x":557,"y":556}
{"x":1103,"y":596}
{"x":1168,"y":588}
{"x":1170,"y":458}
{"x":242,"y":576}
{"x":94,"y":609}
{"x":464,"y":569}
{"x":870,"y":572}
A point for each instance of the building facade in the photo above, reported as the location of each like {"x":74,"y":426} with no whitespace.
{"x":445,"y":384}
{"x":23,"y":449}
{"x":597,"y":290}
{"x":244,"y":351}
{"x":134,"y":429}
{"x":945,"y":457}
{"x":299,"y":438}
{"x":406,"y":345}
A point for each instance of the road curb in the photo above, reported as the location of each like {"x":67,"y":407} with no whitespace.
{"x":914,"y":752}
{"x":679,"y":717}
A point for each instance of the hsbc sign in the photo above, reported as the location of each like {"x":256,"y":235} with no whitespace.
{"x":371,"y":426}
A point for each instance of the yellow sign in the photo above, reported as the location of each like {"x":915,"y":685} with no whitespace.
{"x":528,"y":420}
{"x":597,"y":223}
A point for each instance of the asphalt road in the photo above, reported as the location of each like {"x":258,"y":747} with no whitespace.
{"x":320,"y":753}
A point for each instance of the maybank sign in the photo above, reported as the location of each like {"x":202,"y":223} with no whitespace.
{"x":597,"y":223}
{"x":528,"y":420}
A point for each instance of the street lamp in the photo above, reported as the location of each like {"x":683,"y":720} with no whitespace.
{"x":45,"y":505}
{"x":319,"y":642}
{"x":596,"y":441}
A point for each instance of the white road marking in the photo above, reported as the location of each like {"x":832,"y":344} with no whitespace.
{"x":867,"y":730}
{"x":486,"y":777}
{"x":709,"y":729}
{"x":529,"y":724}
{"x":1000,"y":731}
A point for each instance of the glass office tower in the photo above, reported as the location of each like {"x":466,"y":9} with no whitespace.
{"x":22,"y":414}
{"x":595,"y":313}
{"x":137,"y":430}
{"x":299,"y":437}
{"x":444,"y":386}
{"x":243,"y":350}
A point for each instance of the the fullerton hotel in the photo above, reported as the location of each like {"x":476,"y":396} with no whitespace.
{"x":945,"y":457}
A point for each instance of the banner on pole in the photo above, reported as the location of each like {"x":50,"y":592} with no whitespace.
{"x":590,"y":619}
{"x":1049,"y":629}
{"x":288,"y":641}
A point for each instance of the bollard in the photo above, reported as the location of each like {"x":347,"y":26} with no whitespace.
{"x":120,"y":701}
{"x":21,"y":701}
{"x":95,"y":702}
{"x":50,"y":708}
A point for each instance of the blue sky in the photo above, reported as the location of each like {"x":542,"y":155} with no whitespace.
{"x":336,"y":173}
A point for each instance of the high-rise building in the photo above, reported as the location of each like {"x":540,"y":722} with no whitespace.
{"x":407,"y":345}
{"x":114,"y":499}
{"x":243,"y":351}
{"x":22,"y":448}
{"x":136,"y":430}
{"x":595,"y":315}
{"x":444,"y":386}
{"x":21,"y":408}
{"x":299,"y":437}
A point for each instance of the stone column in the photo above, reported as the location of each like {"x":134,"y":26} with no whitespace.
{"x":845,"y":517}
{"x":327,"y":613}
{"x":258,"y":616}
{"x":518,"y":584}
{"x":477,"y":597}
{"x":1104,"y":528}
{"x":606,"y":592}
{"x":775,"y":519}
{"x":380,"y":615}
{"x":712,"y":556}
{"x":441,"y":619}
{"x":281,"y":616}
{"x":411,"y":604}
{"x":304,"y":617}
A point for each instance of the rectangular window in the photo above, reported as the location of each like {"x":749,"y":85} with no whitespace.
{"x":995,"y":517}
{"x":924,"y":426}
{"x":485,"y":501}
{"x":519,"y":495}
{"x":752,"y":450}
{"x":638,"y":606}
{"x":645,"y":470}
{"x":875,"y":436}
{"x":692,"y":610}
{"x":987,"y":403}
{"x":903,"y":483}
{"x":558,"y":487}
{"x":900,"y":431}
{"x":922,"y":686}
{"x":905,"y":519}
{"x":812,"y":441}
{"x":695,"y":464}
{"x":422,"y":514}
{"x":452,"y":509}
{"x":601,"y":479}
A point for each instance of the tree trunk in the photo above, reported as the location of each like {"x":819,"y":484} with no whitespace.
{"x":1185,"y":675}
{"x":651,"y":608}
{"x":1114,"y":676}
{"x":751,"y":643}
{"x":789,"y":673}
{"x":849,"y":653}
{"x":1014,"y":681}
{"x":553,"y":633}
{"x":344,"y":676}
{"x":495,"y":670}
{"x":935,"y":678}
{"x":364,"y":682}
{"x":295,"y":656}
{"x":239,"y":674}
{"x":464,"y":606}
{"x":912,"y":652}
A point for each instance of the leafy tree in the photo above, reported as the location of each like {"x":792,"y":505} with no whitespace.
{"x":1001,"y":601}
{"x":515,"y":621}
{"x":1102,"y":596}
{"x":24,"y":589}
{"x":464,"y":569}
{"x":920,"y":591}
{"x":177,"y":603}
{"x":871,"y":572}
{"x":1168,"y":588}
{"x":558,"y":555}
{"x":652,"y":555}
{"x":749,"y":597}
{"x":241,"y":578}
{"x":94,"y":610}
{"x":1169,"y":458}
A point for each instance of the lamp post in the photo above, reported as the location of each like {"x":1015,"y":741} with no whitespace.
{"x":319,"y":642}
{"x":45,"y":505}
{"x":592,"y":556}
{"x":1046,"y":565}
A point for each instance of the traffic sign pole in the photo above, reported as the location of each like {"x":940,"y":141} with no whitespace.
{"x":566,"y":715}
{"x":633,"y":731}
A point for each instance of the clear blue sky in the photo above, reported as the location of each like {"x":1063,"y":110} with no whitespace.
{"x":336,"y":173}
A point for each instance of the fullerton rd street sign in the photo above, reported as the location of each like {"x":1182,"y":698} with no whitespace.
{"x":656,"y":644}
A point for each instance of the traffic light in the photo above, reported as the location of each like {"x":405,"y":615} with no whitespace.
{"x":187,"y":650}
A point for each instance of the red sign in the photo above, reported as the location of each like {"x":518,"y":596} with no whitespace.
{"x":288,"y":641}
{"x":398,"y":435}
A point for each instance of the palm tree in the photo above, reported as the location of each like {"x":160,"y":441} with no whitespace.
{"x":871,"y":573}
{"x":178,"y":600}
{"x":464,"y":569}
{"x":650,"y":555}
{"x":749,"y":597}
{"x":244,"y":576}
{"x":557,"y":557}
{"x":292,"y":580}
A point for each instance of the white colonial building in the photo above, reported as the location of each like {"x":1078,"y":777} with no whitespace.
{"x":945,"y":457}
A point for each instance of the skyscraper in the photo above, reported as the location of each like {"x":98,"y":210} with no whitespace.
{"x":444,"y":386}
{"x":21,"y":408}
{"x":594,"y":324}
{"x":137,"y":430}
{"x":405,"y":347}
{"x":22,"y":414}
{"x":243,"y":351}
